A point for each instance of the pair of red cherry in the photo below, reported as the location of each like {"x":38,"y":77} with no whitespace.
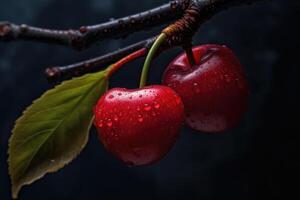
{"x":140,"y":126}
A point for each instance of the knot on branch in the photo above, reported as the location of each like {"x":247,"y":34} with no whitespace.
{"x":77,"y":38}
{"x":185,"y":4}
{"x":6,"y":33}
{"x":52,"y":73}
{"x":183,"y":29}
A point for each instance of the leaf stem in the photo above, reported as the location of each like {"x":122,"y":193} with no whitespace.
{"x":137,"y":54}
{"x":161,"y":38}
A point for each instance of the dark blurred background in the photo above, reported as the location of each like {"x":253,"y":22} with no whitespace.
{"x":256,"y":160}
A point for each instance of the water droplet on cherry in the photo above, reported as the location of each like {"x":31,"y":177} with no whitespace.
{"x":140,"y":118}
{"x":147,"y":107}
{"x":100,"y":124}
{"x":196,"y":87}
{"x":109,"y":123}
{"x":116,"y":118}
{"x":239,"y":83}
{"x":156,"y":105}
{"x":227,"y":78}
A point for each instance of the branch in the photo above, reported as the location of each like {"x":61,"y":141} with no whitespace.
{"x":86,"y":36}
{"x":77,"y":69}
{"x":179,"y":33}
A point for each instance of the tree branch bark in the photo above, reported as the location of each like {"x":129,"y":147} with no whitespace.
{"x":190,"y":14}
{"x":86,"y":36}
{"x":94,"y":64}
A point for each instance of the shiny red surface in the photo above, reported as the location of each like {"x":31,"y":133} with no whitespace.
{"x":139,"y":126}
{"x":214,"y":91}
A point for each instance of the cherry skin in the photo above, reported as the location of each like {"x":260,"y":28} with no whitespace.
{"x":139,"y":126}
{"x":214,"y":91}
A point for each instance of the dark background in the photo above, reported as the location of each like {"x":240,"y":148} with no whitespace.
{"x":256,"y":160}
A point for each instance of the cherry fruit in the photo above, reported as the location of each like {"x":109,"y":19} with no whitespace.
{"x":214,"y":91}
{"x":139,"y":126}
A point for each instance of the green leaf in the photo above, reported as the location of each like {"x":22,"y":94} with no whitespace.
{"x":54,"y":129}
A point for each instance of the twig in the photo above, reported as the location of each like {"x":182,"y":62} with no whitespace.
{"x":77,"y":69}
{"x":190,"y":14}
{"x":179,"y":33}
{"x":86,"y":36}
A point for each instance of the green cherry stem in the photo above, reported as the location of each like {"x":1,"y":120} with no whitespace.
{"x":161,"y":38}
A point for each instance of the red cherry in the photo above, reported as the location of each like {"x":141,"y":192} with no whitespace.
{"x":214,"y":91}
{"x":139,"y":126}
